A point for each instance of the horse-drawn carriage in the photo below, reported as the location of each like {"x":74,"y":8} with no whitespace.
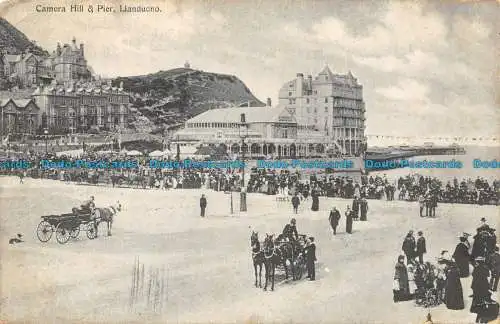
{"x":275,"y":254}
{"x":66,"y":226}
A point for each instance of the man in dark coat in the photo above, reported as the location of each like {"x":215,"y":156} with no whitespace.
{"x":462,"y":257}
{"x":433,"y":205}
{"x":295,"y":203}
{"x":421,"y":248}
{"x":334,"y":219}
{"x":290,"y":231}
{"x":355,"y":208}
{"x":310,"y":251}
{"x":363,"y":208}
{"x":348,"y":220}
{"x":203,"y":205}
{"x":495,"y":269}
{"x":409,"y":246}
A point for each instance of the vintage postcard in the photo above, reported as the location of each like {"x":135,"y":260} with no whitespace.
{"x":248,"y":161}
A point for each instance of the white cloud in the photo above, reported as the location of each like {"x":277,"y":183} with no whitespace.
{"x":406,"y":90}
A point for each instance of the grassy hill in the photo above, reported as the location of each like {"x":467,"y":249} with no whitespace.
{"x":14,"y":41}
{"x":166,"y":98}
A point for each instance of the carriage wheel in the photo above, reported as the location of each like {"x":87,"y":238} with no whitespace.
{"x":74,"y":232}
{"x":44,"y":231}
{"x":62,"y":233}
{"x":91,"y":232}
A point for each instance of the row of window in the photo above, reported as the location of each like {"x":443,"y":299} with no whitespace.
{"x":213,"y":125}
{"x":350,"y":122}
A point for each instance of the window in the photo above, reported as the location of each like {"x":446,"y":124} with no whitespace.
{"x":290,"y":94}
{"x":307,"y":100}
{"x":326,"y":99}
{"x":326,"y":109}
{"x":315,"y":110}
{"x":290,"y":101}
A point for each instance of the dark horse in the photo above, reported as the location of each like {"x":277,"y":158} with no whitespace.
{"x":272,"y":257}
{"x":105,"y":215}
{"x":257,"y":256}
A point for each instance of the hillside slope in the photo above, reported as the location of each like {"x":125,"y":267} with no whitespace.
{"x":13,"y":41}
{"x":170,"y":97}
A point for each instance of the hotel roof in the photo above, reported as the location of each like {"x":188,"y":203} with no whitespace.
{"x":252,"y":115}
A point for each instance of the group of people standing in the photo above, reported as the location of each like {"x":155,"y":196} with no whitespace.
{"x":359,"y":208}
{"x":483,"y":255}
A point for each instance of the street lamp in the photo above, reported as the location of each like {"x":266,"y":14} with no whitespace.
{"x":46,"y":133}
{"x":243,"y":132}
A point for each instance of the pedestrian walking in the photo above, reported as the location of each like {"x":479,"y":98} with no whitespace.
{"x":495,"y":269}
{"x":334,"y":219}
{"x":409,"y":246}
{"x":355,"y":208}
{"x":203,"y":205}
{"x":421,"y":203}
{"x":310,"y":251}
{"x":363,"y":207}
{"x":295,"y":203}
{"x":348,"y":220}
{"x":421,"y":247}
{"x":462,"y":257}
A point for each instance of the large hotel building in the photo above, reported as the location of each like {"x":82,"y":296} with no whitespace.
{"x":79,"y":107}
{"x":314,"y":117}
{"x":330,"y":103}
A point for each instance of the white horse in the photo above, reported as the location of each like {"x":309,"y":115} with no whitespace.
{"x":106,"y":215}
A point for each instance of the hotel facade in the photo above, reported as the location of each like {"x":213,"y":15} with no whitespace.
{"x":82,"y":106}
{"x":330,"y":103}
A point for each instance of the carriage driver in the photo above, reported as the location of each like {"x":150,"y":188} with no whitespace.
{"x":88,"y":206}
{"x":290,"y":231}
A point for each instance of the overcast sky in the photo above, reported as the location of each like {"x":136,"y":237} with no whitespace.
{"x":427,"y":68}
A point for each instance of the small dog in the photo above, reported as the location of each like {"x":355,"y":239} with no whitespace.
{"x":17,"y":239}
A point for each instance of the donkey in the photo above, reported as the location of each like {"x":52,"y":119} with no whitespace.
{"x":257,"y":256}
{"x":106,"y":215}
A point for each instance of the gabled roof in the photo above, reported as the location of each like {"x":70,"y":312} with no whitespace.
{"x":11,"y":58}
{"x":19,"y":103}
{"x":252,"y":115}
{"x":327,"y":71}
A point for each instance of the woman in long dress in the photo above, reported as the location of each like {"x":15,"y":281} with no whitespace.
{"x":454,"y":298}
{"x":462,"y":257}
{"x":348,"y":220}
{"x":401,"y":283}
{"x":315,"y":200}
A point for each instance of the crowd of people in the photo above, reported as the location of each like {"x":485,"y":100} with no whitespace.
{"x":428,"y":191}
{"x":430,"y":285}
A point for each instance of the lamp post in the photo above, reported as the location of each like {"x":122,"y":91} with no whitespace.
{"x":46,"y":133}
{"x":243,"y":132}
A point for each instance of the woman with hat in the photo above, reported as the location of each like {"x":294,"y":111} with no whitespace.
{"x":454,"y":297}
{"x":401,"y":287}
{"x":462,"y":257}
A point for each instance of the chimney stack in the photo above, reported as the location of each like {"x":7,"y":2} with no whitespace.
{"x":269,"y":102}
{"x":300,"y":84}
